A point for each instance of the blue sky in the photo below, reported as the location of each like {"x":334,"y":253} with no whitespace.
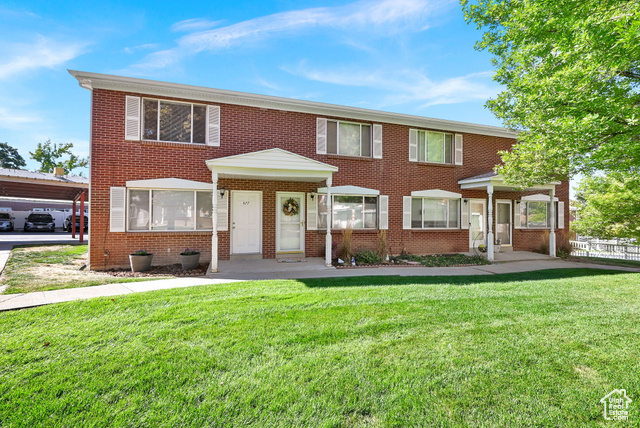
{"x":405,"y":56}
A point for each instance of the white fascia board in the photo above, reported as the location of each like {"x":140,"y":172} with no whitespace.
{"x":279,"y":158}
{"x":436,"y":193}
{"x":538,"y":198}
{"x":92,"y":81}
{"x":350,"y":190}
{"x":169,"y":184}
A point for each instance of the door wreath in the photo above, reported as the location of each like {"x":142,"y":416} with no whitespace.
{"x":290,"y":207}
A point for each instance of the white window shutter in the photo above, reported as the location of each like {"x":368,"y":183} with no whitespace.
{"x":517,"y":221}
{"x":458,"y":149}
{"x":464,"y":214}
{"x":406,"y":212}
{"x":383,"y":212}
{"x":560,"y":215}
{"x":413,"y":145}
{"x":213,"y":126}
{"x":117,"y":214}
{"x":377,"y":141}
{"x":223,"y":212}
{"x":132,"y":118}
{"x":321,"y":136}
{"x":312,"y":212}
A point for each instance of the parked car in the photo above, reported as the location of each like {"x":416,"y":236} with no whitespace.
{"x":6,"y":222}
{"x":66,"y":226}
{"x":39,"y":221}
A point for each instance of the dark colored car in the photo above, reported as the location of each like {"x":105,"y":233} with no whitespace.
{"x":6,"y":222}
{"x":66,"y":226}
{"x":40,"y":221}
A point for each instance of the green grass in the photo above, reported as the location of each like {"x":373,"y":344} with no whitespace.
{"x":608,"y":262}
{"x":527,"y":349}
{"x":52,"y":267}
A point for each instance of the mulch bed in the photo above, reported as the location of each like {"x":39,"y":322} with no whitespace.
{"x":169,"y":270}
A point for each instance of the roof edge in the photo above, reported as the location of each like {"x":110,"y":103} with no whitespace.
{"x":92,"y":81}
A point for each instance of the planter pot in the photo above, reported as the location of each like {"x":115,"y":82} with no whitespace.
{"x":140,"y":263}
{"x":496,"y":249}
{"x":190,"y":262}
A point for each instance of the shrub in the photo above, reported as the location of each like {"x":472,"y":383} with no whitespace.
{"x":368,"y":257}
{"x":346,"y":250}
{"x":382,"y":243}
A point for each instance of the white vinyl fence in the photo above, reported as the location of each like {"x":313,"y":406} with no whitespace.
{"x":606,"y":249}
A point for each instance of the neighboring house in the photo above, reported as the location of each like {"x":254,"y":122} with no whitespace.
{"x":237,"y":175}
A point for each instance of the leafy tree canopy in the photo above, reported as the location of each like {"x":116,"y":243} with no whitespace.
{"x":10,"y":158}
{"x":49,"y":155}
{"x":571,"y":70}
{"x":608,"y":207}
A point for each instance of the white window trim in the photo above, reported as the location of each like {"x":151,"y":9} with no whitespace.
{"x":535,"y":199}
{"x":150,"y":190}
{"x":142,"y":117}
{"x":370,"y":125}
{"x":423,"y":198}
{"x":444,"y":148}
{"x":361,"y":195}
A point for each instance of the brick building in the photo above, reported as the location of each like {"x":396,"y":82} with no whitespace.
{"x":237,"y":175}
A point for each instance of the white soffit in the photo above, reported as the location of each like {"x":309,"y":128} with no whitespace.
{"x":170,"y":184}
{"x":92,"y":81}
{"x":350,"y":190}
{"x":538,"y":198}
{"x":436,"y":193}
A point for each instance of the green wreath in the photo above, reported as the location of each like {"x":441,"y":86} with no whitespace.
{"x":290,"y":207}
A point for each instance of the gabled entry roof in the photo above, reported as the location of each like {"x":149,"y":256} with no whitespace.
{"x":497,"y":182}
{"x":271,"y":164}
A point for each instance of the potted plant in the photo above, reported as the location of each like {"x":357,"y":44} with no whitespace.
{"x":140,"y":260}
{"x":482,"y":248}
{"x":190,"y":259}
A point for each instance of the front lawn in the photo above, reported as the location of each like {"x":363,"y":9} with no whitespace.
{"x":52,"y":267}
{"x":527,"y":349}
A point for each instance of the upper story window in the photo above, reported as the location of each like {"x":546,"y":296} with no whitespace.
{"x":174,"y":122}
{"x":435,"y":147}
{"x":348,"y":138}
{"x":171,"y":121}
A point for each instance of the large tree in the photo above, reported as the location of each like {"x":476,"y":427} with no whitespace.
{"x":571,"y":75}
{"x":10,"y":158}
{"x":49,"y":155}
{"x":608,"y":207}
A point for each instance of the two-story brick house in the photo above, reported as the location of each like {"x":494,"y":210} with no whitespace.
{"x":238,"y":175}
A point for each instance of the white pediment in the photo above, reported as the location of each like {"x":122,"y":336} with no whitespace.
{"x":350,"y":190}
{"x":436,"y":193}
{"x":170,"y":184}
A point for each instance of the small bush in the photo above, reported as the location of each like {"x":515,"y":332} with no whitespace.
{"x":368,"y":257}
{"x":346,"y":249}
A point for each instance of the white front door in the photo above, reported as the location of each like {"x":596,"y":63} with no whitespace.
{"x":477,"y":229}
{"x":289,"y":222}
{"x":246,"y":222}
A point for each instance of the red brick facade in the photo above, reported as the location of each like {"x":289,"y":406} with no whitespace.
{"x":246,"y":129}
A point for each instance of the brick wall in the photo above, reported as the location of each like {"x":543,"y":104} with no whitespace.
{"x":246,"y":129}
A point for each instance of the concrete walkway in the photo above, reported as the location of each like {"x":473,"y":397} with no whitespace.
{"x":311,"y":268}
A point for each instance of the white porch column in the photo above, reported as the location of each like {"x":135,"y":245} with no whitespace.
{"x":328,"y":241}
{"x":490,"y":254}
{"x":552,"y":214}
{"x":214,"y":220}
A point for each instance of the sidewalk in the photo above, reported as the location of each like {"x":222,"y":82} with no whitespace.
{"x":271,"y":269}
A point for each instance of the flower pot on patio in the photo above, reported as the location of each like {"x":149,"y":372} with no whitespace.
{"x":140,"y":261}
{"x":190,"y":259}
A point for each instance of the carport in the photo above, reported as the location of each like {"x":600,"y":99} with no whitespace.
{"x":17,"y":183}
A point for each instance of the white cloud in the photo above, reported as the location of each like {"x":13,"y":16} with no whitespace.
{"x":10,"y":119}
{"x":196,"y":24}
{"x":42,"y":53}
{"x":406,"y":86}
{"x":133,"y":49}
{"x":375,"y":16}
